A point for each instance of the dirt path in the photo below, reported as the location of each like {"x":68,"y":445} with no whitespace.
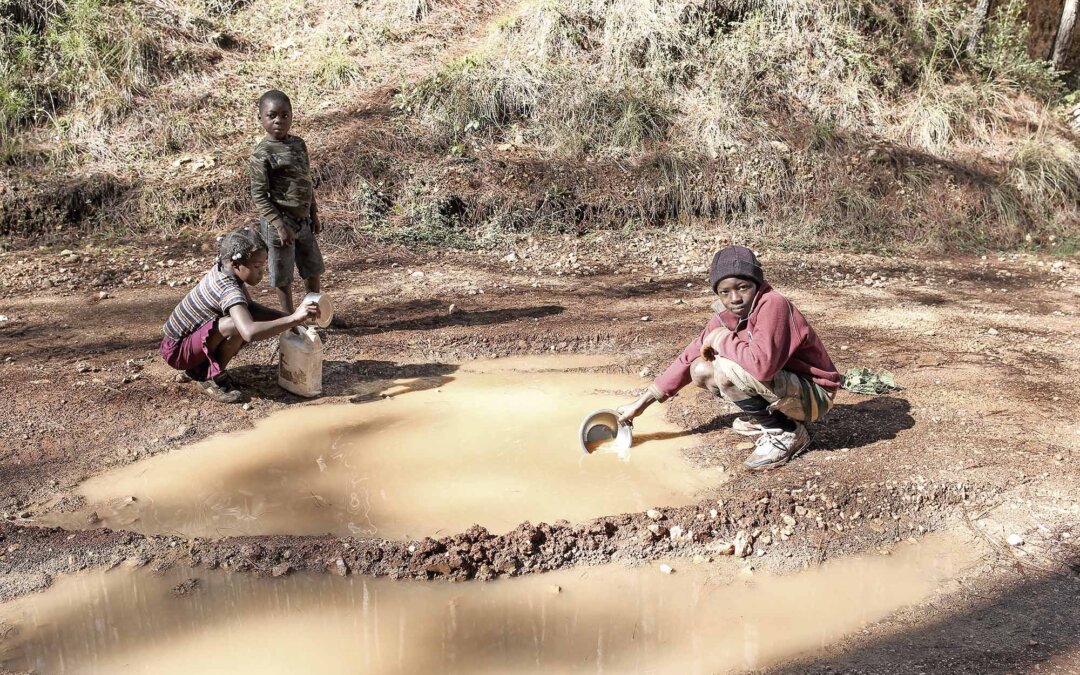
{"x":983,"y":435}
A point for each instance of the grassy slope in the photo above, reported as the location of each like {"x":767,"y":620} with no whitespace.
{"x":856,"y":123}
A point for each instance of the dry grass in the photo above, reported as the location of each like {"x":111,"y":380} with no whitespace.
{"x":855,"y":123}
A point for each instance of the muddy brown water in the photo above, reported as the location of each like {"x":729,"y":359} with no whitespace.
{"x":613,"y":619}
{"x":494,"y":443}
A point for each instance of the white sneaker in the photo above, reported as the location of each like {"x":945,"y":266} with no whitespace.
{"x":776,"y":448}
{"x":745,"y":427}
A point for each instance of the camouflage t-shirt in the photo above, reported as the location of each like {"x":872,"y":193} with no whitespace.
{"x":281,"y":178}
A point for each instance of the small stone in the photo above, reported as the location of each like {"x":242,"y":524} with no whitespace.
{"x":417,"y":275}
{"x":675,"y":532}
{"x":93,"y":518}
{"x":83,"y":367}
{"x":789,"y":520}
{"x":667,"y":569}
{"x":645,"y":372}
{"x":181,"y":378}
{"x":654,"y":514}
{"x":510,"y":257}
{"x":645,"y":318}
{"x":280,"y":570}
{"x":103,"y":295}
{"x":339,"y":568}
{"x":1014,"y":540}
{"x":743,"y":544}
{"x":247,"y":406}
{"x":721,"y":547}
{"x":744,"y":446}
{"x":992,"y":331}
{"x":452,"y":310}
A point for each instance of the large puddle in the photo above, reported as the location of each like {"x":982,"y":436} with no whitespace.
{"x":494,"y":443}
{"x":609,"y":619}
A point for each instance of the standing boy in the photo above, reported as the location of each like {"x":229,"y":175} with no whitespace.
{"x":284,"y":196}
{"x":759,"y":353}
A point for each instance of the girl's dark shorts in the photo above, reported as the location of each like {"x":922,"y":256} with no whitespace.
{"x":304,"y":254}
{"x":191,"y":354}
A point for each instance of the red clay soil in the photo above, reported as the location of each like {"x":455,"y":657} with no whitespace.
{"x":983,"y":434}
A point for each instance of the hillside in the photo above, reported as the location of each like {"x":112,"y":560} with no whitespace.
{"x":851,"y":123}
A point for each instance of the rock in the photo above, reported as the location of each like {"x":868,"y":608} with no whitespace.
{"x":554,"y":589}
{"x":417,"y":275}
{"x":743,"y":544}
{"x":789,"y":520}
{"x":181,"y":377}
{"x":103,"y":296}
{"x":66,"y":252}
{"x":675,"y":532}
{"x":510,"y":258}
{"x":83,"y":367}
{"x":654,"y":514}
{"x":992,"y":331}
{"x":645,"y":318}
{"x":339,"y":568}
{"x":3,"y":318}
{"x":721,"y":547}
{"x":645,"y":372}
{"x":247,"y":406}
{"x":280,"y":570}
{"x":666,"y":569}
{"x":747,"y":445}
{"x":452,"y":310}
{"x":1014,"y":540}
{"x":93,"y":518}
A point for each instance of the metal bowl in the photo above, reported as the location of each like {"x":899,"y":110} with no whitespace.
{"x":603,"y":425}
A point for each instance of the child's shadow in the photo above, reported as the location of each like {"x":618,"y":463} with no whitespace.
{"x":361,"y":381}
{"x":848,"y":425}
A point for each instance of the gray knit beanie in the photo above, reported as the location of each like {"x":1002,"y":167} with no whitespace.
{"x":735,"y":261}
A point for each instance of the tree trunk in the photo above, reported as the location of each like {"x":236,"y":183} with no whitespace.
{"x":1064,"y":34}
{"x":982,"y":13}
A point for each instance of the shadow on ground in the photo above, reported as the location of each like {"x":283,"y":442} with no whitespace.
{"x":432,"y":314}
{"x":362,"y":380}
{"x":1035,"y":622}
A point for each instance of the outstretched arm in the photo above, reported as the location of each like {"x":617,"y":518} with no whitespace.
{"x":240,"y":322}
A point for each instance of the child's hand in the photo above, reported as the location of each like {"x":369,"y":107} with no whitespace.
{"x":308,"y":311}
{"x":708,"y":345}
{"x":628,"y":412}
{"x":285,"y":234}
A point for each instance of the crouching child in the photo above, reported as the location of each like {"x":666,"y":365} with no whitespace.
{"x":218,"y":317}
{"x":759,"y":353}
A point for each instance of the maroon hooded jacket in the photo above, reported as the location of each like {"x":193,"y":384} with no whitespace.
{"x":775,"y":336}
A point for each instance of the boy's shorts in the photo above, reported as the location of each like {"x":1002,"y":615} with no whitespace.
{"x":304,"y":254}
{"x":191,"y":354}
{"x":795,"y":396}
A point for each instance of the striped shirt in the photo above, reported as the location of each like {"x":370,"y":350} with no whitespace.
{"x":210,"y":299}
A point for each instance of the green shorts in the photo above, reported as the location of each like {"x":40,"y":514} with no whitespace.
{"x":304,"y":254}
{"x":795,"y":396}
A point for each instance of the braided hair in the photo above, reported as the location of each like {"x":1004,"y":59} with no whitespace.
{"x":238,"y":245}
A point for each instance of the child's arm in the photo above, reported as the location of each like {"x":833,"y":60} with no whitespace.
{"x":671,"y":380}
{"x":773,"y":344}
{"x":316,"y":223}
{"x":260,"y":194}
{"x":250,"y":330}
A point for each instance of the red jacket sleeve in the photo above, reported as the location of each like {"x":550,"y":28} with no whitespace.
{"x":677,"y":374}
{"x":767,"y":346}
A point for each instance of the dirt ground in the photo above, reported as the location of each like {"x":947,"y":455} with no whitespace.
{"x":983,"y":436}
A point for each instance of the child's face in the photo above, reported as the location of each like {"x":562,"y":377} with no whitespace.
{"x":276,"y":118}
{"x":737,"y":295}
{"x":251,"y":271}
